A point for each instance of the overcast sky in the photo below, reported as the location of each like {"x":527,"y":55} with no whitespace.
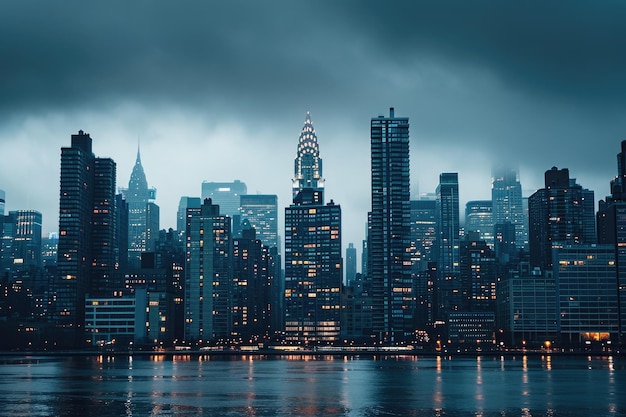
{"x":219,"y":91}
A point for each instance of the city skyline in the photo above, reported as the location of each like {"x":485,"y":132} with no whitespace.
{"x":206,"y":102}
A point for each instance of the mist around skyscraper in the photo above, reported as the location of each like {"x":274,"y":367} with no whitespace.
{"x":233,"y":275}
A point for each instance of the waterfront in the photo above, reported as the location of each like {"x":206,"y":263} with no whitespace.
{"x":296,"y":385}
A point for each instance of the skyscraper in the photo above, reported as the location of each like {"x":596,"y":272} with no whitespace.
{"x":86,"y":213}
{"x":389,"y":231}
{"x":22,"y":239}
{"x":313,"y":256}
{"x":506,"y":197}
{"x":479,"y":218}
{"x":138,"y":195}
{"x":208,"y":274}
{"x":313,"y":270}
{"x":226,"y":195}
{"x":181,"y":214}
{"x":307,"y":164}
{"x":423,"y":234}
{"x":563,"y":213}
{"x":611,"y":219}
{"x":350,"y":263}
{"x":448,"y":288}
{"x":261,"y":210}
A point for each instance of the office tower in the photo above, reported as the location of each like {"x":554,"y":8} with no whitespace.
{"x":389,"y":234}
{"x":103,"y":280}
{"x":585,"y":276}
{"x":86,"y":213}
{"x":350,"y":263}
{"x":138,"y":195}
{"x":448,"y":288}
{"x":208,"y":274}
{"x":181,"y":214}
{"x":253,"y":287}
{"x":423,"y":234}
{"x":307,"y":164}
{"x":611,"y":219}
{"x":527,"y":307}
{"x":22,"y":239}
{"x":478,"y":273}
{"x":506,"y":196}
{"x":226,"y":195}
{"x":261,"y":211}
{"x":479,"y":218}
{"x":313,"y":269}
{"x":560,"y":213}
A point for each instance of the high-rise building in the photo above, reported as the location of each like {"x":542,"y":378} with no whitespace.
{"x":313,"y":270}
{"x":254,"y":285}
{"x":389,"y":230}
{"x":506,"y":197}
{"x":479,"y":218}
{"x":208,"y":274}
{"x":226,"y":195}
{"x":86,"y":232}
{"x":448,"y":288}
{"x":350,"y":263}
{"x":22,"y":239}
{"x":478,"y":274}
{"x":138,"y":195}
{"x":560,"y":213}
{"x":611,"y":219}
{"x":423,"y":234}
{"x":261,"y":211}
{"x":307,"y":164}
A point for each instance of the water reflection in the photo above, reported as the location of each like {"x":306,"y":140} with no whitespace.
{"x":255,"y":385}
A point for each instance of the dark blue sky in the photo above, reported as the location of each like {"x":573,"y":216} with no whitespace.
{"x":218,"y":91}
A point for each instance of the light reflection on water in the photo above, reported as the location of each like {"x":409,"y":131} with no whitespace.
{"x":294,"y":385}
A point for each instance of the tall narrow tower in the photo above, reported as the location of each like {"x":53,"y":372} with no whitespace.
{"x":308,"y":164}
{"x":389,"y":235}
{"x":86,"y":233}
{"x":142,"y":219}
{"x":313,"y":263}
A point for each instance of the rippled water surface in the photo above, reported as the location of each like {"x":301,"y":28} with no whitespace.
{"x":312,"y":386}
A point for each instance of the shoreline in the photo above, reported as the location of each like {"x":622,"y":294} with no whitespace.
{"x":306,"y":353}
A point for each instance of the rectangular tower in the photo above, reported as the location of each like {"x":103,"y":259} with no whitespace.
{"x":261,"y":210}
{"x":313,"y":272}
{"x":389,"y":231}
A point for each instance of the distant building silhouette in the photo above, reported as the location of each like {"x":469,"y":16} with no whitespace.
{"x":350,"y":263}
{"x":226,"y":195}
{"x":479,"y":218}
{"x":143,"y":214}
{"x":507,"y":200}
{"x":261,"y":211}
{"x":389,"y":234}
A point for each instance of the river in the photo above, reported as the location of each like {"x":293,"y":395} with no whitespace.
{"x":249,"y":385}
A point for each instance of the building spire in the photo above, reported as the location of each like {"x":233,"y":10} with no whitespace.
{"x":138,"y":161}
{"x":307,"y":164}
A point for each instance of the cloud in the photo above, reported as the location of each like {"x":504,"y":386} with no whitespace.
{"x":218,"y":91}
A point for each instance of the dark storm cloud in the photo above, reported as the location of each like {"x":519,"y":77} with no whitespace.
{"x":536,"y":83}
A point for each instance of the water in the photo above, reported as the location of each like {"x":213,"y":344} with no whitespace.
{"x":312,"y":386}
